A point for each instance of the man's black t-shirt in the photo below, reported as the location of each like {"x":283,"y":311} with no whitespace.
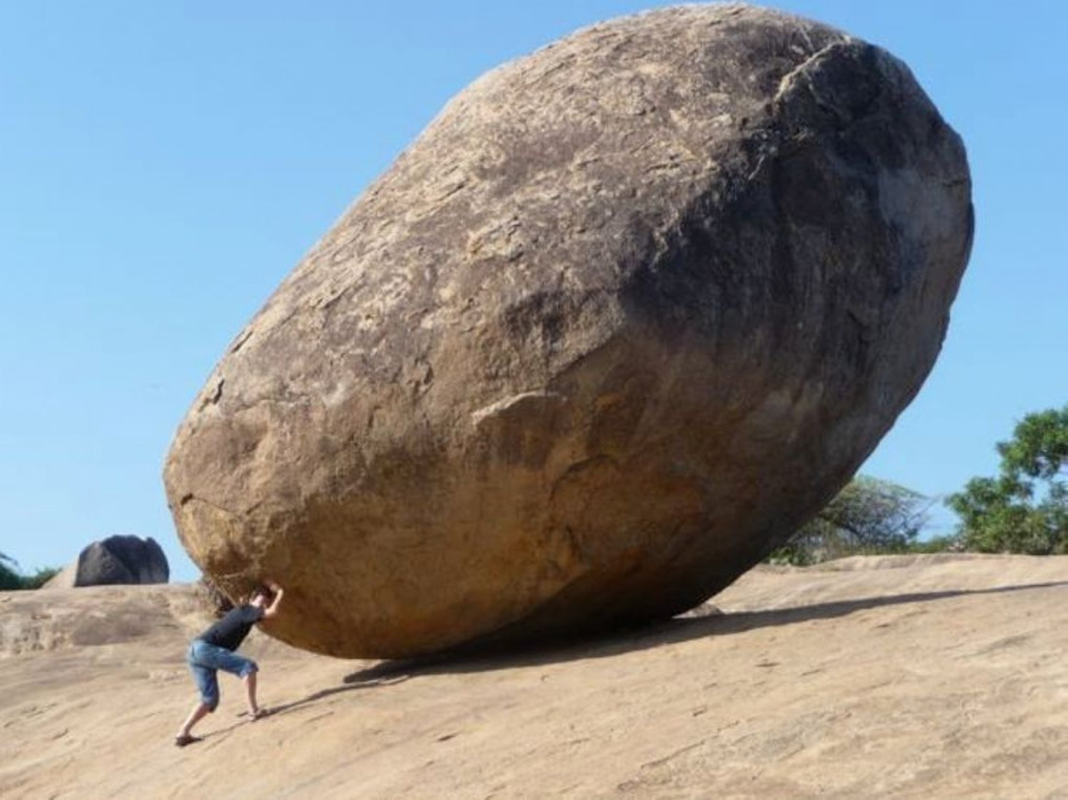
{"x":231,"y":630}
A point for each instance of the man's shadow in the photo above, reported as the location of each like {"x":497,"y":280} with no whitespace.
{"x":678,"y":629}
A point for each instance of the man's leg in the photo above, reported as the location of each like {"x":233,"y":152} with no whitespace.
{"x":243,"y":668}
{"x":198,"y":713}
{"x":250,"y":689}
{"x":207,"y":682}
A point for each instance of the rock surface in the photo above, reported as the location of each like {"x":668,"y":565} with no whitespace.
{"x":212,"y":598}
{"x":926,"y":678}
{"x":629,"y":311}
{"x":116,"y":560}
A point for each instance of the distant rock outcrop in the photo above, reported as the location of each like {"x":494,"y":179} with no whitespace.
{"x":116,"y":560}
{"x":627,"y":313}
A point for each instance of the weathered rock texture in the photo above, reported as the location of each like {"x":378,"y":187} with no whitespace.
{"x":116,"y":560}
{"x":624,"y":315}
{"x":211,"y":598}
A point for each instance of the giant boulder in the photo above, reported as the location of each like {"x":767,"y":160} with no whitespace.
{"x":627,"y":313}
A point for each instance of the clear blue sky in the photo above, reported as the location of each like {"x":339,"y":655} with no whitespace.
{"x":164,"y":165}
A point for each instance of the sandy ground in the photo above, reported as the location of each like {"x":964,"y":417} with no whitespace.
{"x":908,"y":677}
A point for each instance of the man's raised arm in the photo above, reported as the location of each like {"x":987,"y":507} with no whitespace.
{"x":277,"y":591}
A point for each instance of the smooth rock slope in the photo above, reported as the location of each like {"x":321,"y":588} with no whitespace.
{"x":629,"y":310}
{"x":928,"y":678}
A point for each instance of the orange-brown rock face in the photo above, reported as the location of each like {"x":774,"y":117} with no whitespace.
{"x":626,"y":313}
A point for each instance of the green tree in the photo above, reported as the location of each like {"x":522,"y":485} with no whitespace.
{"x":1025,"y":508}
{"x":11,"y":580}
{"x":868,"y":516}
{"x":40,"y":577}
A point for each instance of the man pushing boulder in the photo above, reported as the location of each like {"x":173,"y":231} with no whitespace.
{"x":215,"y":649}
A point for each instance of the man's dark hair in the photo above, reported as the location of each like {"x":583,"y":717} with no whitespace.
{"x":262,"y":589}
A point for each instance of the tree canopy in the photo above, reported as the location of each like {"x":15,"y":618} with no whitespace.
{"x":9,"y":578}
{"x":1024,"y":509}
{"x":868,"y":516}
{"x":12,"y":580}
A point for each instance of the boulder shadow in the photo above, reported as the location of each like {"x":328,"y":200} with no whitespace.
{"x":675,"y":630}
{"x":679,"y":629}
{"x":348,"y":685}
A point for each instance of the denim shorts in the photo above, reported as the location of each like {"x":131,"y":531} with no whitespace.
{"x":205,"y":659}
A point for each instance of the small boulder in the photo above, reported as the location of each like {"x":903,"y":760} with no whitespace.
{"x":116,"y":560}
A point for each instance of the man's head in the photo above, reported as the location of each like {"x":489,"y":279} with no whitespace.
{"x":261,"y":597}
